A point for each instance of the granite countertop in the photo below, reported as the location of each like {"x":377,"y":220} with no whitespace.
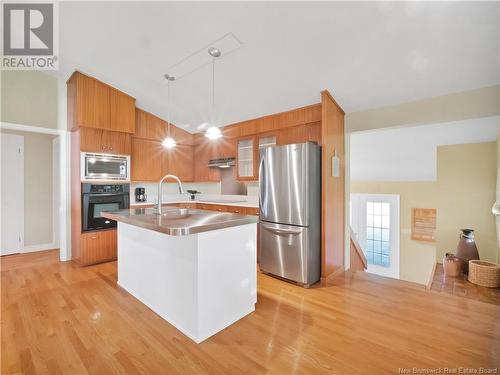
{"x":179,"y":221}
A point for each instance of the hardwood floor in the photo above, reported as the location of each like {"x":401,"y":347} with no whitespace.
{"x":60,"y":318}
{"x":459,"y":286}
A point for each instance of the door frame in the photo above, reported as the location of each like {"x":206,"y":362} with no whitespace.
{"x":18,"y":142}
{"x":64,"y":181}
{"x":360,"y":222}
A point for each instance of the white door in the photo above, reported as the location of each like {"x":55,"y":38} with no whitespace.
{"x":12,"y":194}
{"x":375,"y":221}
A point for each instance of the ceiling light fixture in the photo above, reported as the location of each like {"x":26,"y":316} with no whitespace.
{"x":213,"y":132}
{"x":169,"y":142}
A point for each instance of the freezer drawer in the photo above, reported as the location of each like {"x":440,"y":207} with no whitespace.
{"x":291,"y":252}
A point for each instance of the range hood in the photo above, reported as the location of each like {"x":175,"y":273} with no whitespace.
{"x":222,"y":163}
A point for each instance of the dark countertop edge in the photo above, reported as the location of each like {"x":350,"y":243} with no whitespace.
{"x":247,"y":219}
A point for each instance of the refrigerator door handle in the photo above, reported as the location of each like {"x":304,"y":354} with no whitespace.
{"x":262,"y":181}
{"x":281,"y":230}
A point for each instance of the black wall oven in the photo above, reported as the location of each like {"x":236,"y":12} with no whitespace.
{"x":97,"y":198}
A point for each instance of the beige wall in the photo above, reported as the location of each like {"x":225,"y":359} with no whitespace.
{"x":37,"y":187}
{"x":497,"y":218}
{"x":417,"y":258}
{"x":29,"y":98}
{"x":466,"y":188}
{"x":471,"y":104}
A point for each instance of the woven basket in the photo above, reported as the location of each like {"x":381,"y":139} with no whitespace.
{"x":484,"y":273}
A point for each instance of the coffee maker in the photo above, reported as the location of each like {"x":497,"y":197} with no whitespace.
{"x":140,"y":194}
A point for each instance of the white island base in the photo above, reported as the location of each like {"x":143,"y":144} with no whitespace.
{"x":200,"y":283}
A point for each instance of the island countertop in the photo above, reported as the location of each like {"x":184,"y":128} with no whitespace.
{"x":179,"y":221}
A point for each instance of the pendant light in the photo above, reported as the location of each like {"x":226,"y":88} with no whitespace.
{"x":169,"y":142}
{"x":213,"y":132}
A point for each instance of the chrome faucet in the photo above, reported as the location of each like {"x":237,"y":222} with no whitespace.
{"x":160,"y":189}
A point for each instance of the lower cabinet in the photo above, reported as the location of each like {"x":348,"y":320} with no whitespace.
{"x":97,"y":247}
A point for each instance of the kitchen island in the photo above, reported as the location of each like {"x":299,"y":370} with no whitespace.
{"x":195,"y":268}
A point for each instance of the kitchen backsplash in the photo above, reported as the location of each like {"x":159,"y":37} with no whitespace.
{"x":172,"y":189}
{"x":169,"y":189}
{"x":253,"y":188}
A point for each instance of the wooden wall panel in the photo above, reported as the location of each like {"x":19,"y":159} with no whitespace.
{"x":333,"y":188}
{"x":300,"y":134}
{"x":205,"y":150}
{"x":146,"y":160}
{"x":179,"y":162}
{"x":181,"y":136}
{"x":149,"y":126}
{"x":270,"y":123}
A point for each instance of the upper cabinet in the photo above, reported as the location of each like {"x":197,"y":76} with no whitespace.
{"x":204,"y":150}
{"x":146,"y":160}
{"x":246,"y":156}
{"x":247,"y":160}
{"x":148,"y":126}
{"x":98,"y":140}
{"x":93,"y":104}
{"x":300,"y":134}
{"x":122,"y":111}
{"x":179,"y":162}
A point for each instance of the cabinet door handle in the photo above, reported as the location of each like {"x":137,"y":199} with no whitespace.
{"x":93,"y":237}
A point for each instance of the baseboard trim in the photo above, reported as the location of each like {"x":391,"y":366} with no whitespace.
{"x":40,"y":247}
{"x":333,"y":275}
{"x":431,"y":278}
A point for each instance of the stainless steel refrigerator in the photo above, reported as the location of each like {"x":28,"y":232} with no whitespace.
{"x":290,"y":212}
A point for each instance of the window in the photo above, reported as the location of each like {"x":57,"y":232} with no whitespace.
{"x":378,"y":233}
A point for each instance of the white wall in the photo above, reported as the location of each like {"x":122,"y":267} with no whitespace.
{"x":410,"y":153}
{"x":38,"y":193}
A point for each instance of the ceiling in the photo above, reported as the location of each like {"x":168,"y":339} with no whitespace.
{"x":410,"y":153}
{"x":367,"y":54}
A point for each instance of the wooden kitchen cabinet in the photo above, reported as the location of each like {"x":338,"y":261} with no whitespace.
{"x":203,"y":152}
{"x":146,"y":160}
{"x":246,"y":157}
{"x":148,"y":126}
{"x":179,"y":162}
{"x":300,"y":134}
{"x":122,"y":111}
{"x":90,"y":105}
{"x":252,"y":211}
{"x":97,"y":247}
{"x":104,"y":141}
{"x":93,"y":104}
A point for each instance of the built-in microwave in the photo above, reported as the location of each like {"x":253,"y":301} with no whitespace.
{"x":104,"y":167}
